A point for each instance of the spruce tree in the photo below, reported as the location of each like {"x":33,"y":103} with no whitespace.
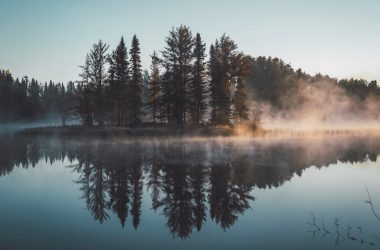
{"x":154,"y":88}
{"x":85,"y":95}
{"x":198,"y":84}
{"x":177,"y":61}
{"x":213,"y":72}
{"x":34,"y":99}
{"x":136,"y":83}
{"x":226,"y":66}
{"x":98,"y":77}
{"x":118,"y":80}
{"x":6,"y":103}
{"x":240,"y":113}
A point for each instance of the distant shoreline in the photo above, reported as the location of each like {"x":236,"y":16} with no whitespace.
{"x":82,"y":131}
{"x":170,"y":132}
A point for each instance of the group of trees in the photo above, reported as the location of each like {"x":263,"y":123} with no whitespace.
{"x":110,"y":91}
{"x":180,"y":88}
{"x":183,"y":87}
{"x":273,"y":82}
{"x":29,"y":100}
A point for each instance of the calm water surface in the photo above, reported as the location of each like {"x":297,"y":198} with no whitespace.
{"x":184,"y":194}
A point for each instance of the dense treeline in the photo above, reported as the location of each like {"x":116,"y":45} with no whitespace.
{"x":29,"y":100}
{"x":184,"y":87}
{"x":181,"y":86}
{"x":293,"y":92}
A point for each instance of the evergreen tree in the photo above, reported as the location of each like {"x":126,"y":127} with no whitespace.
{"x":136,"y":83}
{"x":34,"y":99}
{"x":214,"y":80}
{"x":177,"y":61}
{"x":6,"y":91}
{"x":85,"y":93}
{"x":68,"y":104}
{"x":22,"y":95}
{"x":98,"y":76}
{"x":167,"y":98}
{"x":240,"y":113}
{"x":144,"y":97}
{"x":226,"y":66}
{"x":118,"y":80}
{"x":198,"y":84}
{"x":154,"y":88}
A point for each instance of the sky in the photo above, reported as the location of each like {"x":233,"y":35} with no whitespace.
{"x":49,"y":39}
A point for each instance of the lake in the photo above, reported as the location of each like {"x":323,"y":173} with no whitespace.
{"x":301,"y":192}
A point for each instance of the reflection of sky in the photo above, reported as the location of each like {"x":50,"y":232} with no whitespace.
{"x":41,"y":206}
{"x":48,"y":39}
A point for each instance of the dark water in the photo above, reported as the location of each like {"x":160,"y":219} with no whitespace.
{"x":183,"y":194}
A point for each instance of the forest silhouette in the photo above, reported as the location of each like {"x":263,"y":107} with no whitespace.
{"x":186,"y":87}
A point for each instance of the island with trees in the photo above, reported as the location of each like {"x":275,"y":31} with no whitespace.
{"x":184,"y":90}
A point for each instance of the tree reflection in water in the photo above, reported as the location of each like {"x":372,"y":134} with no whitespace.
{"x":187,"y":181}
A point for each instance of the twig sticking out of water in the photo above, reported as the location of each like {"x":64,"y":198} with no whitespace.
{"x":349,"y":236}
{"x":325,"y":231}
{"x":314,"y":224}
{"x":338,"y":235}
{"x":371,"y":204}
{"x":336,"y":223}
{"x":324,"y":227}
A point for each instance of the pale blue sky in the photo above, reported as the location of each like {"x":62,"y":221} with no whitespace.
{"x":48,"y":39}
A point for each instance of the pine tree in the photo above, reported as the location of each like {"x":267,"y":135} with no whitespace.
{"x":91,"y":90}
{"x":34,"y":99}
{"x":213,"y":71}
{"x":240,"y":113}
{"x":22,"y":97}
{"x":118,"y":80}
{"x":144,"y":98}
{"x":136,"y":83}
{"x":227,"y":51}
{"x":177,"y":61}
{"x":98,"y":76}
{"x":167,"y":99}
{"x":6,"y":104}
{"x":85,"y":93}
{"x":198,"y":84}
{"x":92,"y":94}
{"x":226,"y":66}
{"x":154,"y":88}
{"x":69,"y":101}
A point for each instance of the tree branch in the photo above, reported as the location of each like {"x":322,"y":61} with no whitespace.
{"x":371,"y":204}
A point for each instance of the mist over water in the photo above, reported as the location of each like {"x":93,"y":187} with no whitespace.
{"x":293,"y":99}
{"x":308,"y":178}
{"x":189,"y":192}
{"x":166,"y":136}
{"x":12,"y":127}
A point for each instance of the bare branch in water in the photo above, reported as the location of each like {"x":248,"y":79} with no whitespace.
{"x":324,"y":227}
{"x":314,"y":224}
{"x":325,"y":231}
{"x":349,"y":236}
{"x":371,"y":204}
{"x":339,"y":237}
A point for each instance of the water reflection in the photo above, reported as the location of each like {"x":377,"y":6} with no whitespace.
{"x":187,"y":181}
